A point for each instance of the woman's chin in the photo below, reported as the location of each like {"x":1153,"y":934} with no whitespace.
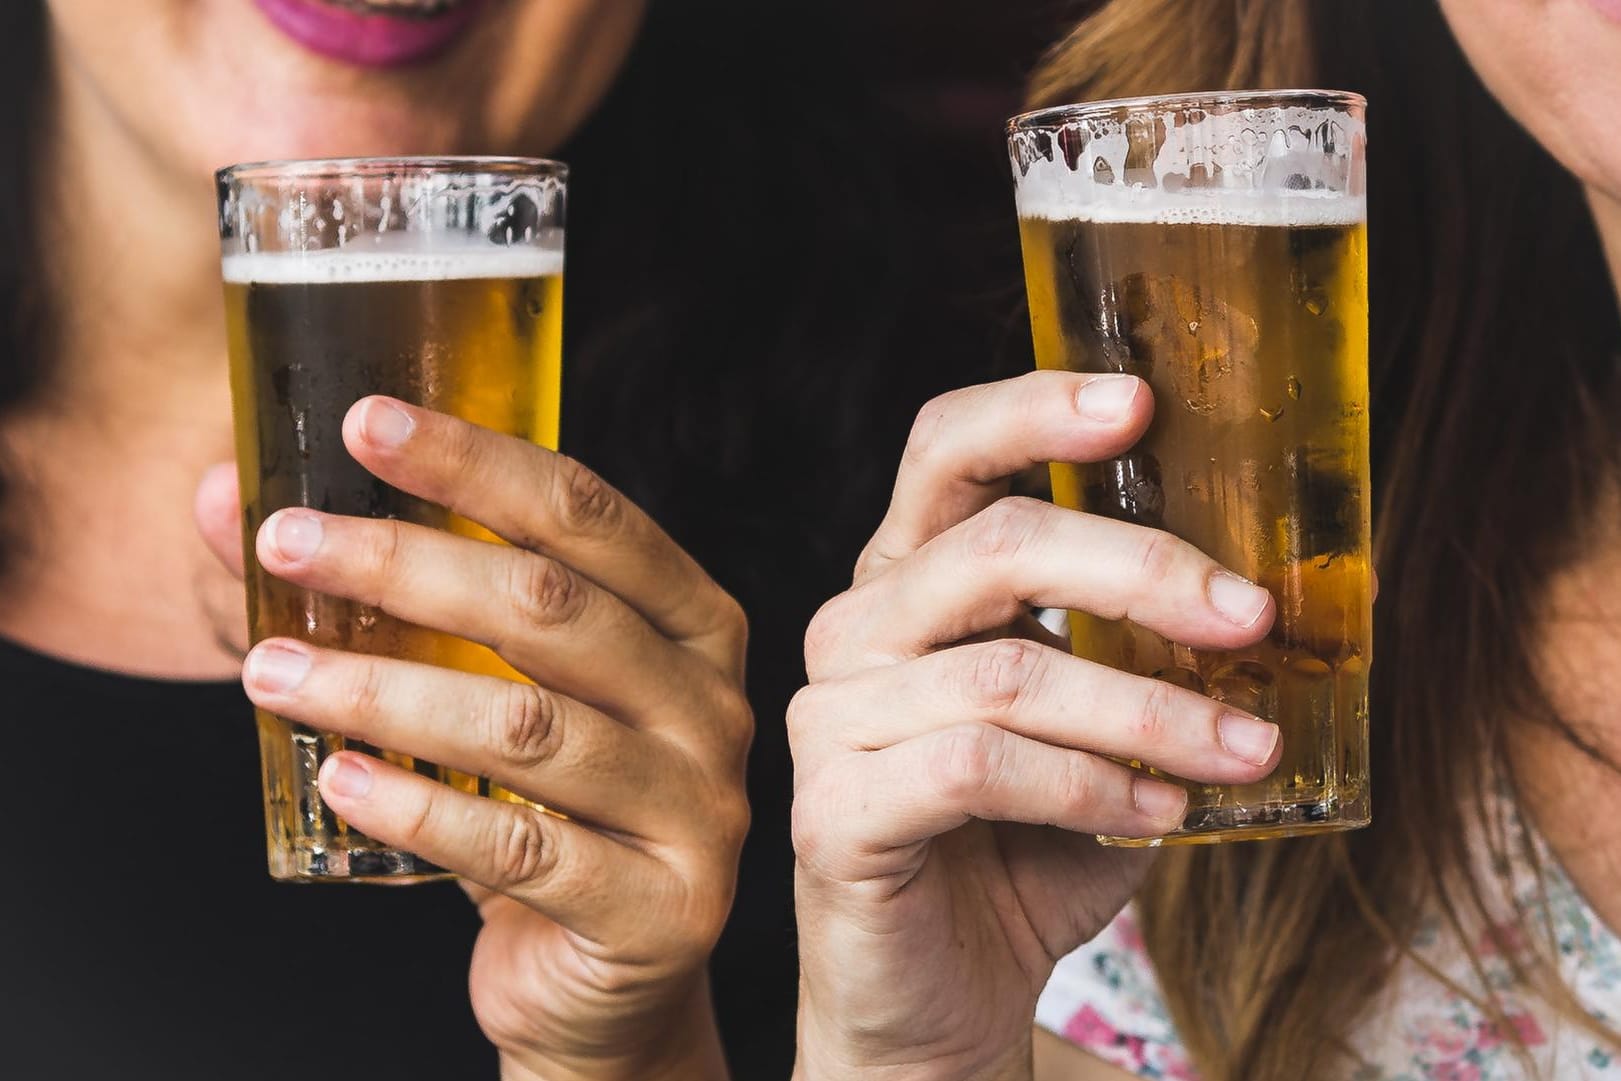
{"x":338,"y":130}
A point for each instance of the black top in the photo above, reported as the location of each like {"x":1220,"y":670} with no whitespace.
{"x":141,"y":935}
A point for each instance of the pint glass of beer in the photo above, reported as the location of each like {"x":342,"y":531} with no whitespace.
{"x":439,"y":282}
{"x":1216,"y":246}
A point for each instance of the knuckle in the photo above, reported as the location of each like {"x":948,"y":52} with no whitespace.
{"x":823,"y":633}
{"x":694,"y":931}
{"x":802,"y":715}
{"x":736,"y":721}
{"x":384,"y":549}
{"x":527,"y":732}
{"x":808,"y":824}
{"x":462,"y":449}
{"x":544,"y":591}
{"x":420,"y":823}
{"x":1158,"y":554}
{"x":520,"y":849}
{"x":965,"y":761}
{"x":1004,"y":528}
{"x":732,"y":818}
{"x":1152,"y":724}
{"x":364,"y":692}
{"x":871,"y":556}
{"x":731,"y":615}
{"x":998,"y":673}
{"x":928,"y":425}
{"x":585,"y":503}
{"x":1079,"y":786}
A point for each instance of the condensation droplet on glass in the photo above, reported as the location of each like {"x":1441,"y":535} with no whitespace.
{"x":1294,"y":388}
{"x":1316,"y":304}
{"x":1193,"y":326}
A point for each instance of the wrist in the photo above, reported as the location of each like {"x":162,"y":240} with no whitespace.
{"x":683,"y":1045}
{"x":825,"y":1053}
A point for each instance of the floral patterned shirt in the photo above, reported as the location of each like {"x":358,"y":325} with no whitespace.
{"x":1105,"y":999}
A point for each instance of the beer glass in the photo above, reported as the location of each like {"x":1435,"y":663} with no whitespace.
{"x":1216,"y":246}
{"x":436,"y":281}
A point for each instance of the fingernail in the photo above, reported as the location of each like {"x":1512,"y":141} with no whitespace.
{"x":343,"y":775}
{"x":1239,"y":600}
{"x":296,"y":536}
{"x":1108,"y":398}
{"x":385,"y":424}
{"x":1158,"y":800}
{"x":1247,"y":738}
{"x":278,"y":669}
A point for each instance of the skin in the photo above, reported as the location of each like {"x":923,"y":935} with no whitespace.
{"x":597,"y":926}
{"x":149,"y":95}
{"x":974,"y":768}
{"x":963,"y":758}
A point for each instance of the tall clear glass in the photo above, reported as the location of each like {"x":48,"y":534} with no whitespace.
{"x":1216,"y":245}
{"x":437,"y":281}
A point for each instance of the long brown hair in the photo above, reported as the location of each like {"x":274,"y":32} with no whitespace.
{"x":1495,"y":334}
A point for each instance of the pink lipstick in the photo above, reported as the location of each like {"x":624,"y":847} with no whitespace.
{"x":369,"y":33}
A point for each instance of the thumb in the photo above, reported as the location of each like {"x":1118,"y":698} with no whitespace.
{"x":219,"y":515}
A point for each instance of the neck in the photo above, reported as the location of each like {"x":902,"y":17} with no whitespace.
{"x":1571,"y":795}
{"x":111,"y":570}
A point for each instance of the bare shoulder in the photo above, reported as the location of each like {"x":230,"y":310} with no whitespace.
{"x":1060,"y":1061}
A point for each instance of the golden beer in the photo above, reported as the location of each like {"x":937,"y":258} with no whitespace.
{"x":1246,"y":312}
{"x":447,"y":321}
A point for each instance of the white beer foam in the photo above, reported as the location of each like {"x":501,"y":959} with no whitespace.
{"x":1272,"y":167}
{"x":357,"y":264}
{"x":1145,"y":206}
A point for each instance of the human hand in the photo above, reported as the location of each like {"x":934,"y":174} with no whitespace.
{"x":948,"y":786}
{"x":597,"y":926}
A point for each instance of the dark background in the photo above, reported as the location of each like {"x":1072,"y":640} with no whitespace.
{"x":864,"y":207}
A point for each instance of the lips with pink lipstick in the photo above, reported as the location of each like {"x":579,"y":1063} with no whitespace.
{"x":373,"y":33}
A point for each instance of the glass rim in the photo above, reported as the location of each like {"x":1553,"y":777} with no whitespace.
{"x":1055,"y":115}
{"x":368,"y":168}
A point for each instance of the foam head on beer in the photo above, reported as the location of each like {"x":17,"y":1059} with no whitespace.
{"x":396,"y":257}
{"x":1269,"y":170}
